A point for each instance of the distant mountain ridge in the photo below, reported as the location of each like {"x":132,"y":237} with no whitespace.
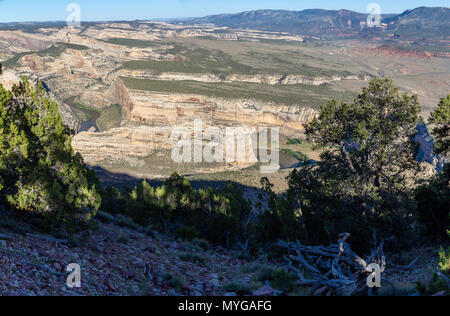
{"x":311,"y":21}
{"x":320,"y":22}
{"x":421,"y":21}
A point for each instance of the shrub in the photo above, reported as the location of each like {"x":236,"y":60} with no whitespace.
{"x":202,"y":243}
{"x":398,"y":289}
{"x":173,"y":280}
{"x":192,"y":258}
{"x":188,"y":233}
{"x":432,"y":206}
{"x":298,"y":154}
{"x":435,"y":285}
{"x":105,"y":217}
{"x":265,"y":274}
{"x":238,"y":288}
{"x":14,"y":224}
{"x":112,"y":201}
{"x":218,"y":216}
{"x":125,"y":221}
{"x":283,"y":281}
{"x":147,"y":231}
{"x":123,"y":239}
{"x":295,"y":141}
{"x":279,"y":279}
{"x":441,"y":120}
{"x":444,"y":260}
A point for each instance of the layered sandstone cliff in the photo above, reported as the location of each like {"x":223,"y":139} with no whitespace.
{"x":130,"y":149}
{"x":169,"y":109}
{"x":122,"y":145}
{"x":165,"y":109}
{"x":153,"y":108}
{"x":271,"y":79}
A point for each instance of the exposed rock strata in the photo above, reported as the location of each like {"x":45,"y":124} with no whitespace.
{"x":130,"y":146}
{"x":166,"y":109}
{"x":124,"y":145}
{"x":271,"y":79}
{"x":171,"y":109}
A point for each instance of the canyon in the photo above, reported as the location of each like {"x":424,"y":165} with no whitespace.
{"x":162,"y":76}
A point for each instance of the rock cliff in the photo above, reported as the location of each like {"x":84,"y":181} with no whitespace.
{"x":271,"y":79}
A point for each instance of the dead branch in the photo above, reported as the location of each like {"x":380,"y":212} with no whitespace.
{"x":336,"y":268}
{"x":407,"y":267}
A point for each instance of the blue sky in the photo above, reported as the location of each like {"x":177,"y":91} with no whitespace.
{"x":102,"y":10}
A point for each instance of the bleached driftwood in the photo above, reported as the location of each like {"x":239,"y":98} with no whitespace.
{"x":333,"y":270}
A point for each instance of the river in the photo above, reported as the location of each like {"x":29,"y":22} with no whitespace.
{"x":89,"y":125}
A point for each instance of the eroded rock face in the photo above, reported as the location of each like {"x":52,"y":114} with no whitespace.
{"x":131,"y":147}
{"x":34,"y":62}
{"x":164,"y":109}
{"x":426,"y":148}
{"x":271,"y":79}
{"x":91,"y":72}
{"x":155,"y":30}
{"x":19,"y":41}
{"x":152,"y":117}
{"x":122,"y":145}
{"x":171,"y":109}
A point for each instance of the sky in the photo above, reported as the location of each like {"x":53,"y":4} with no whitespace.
{"x":109,"y":10}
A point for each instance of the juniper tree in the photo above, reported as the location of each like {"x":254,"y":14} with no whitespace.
{"x":368,"y":145}
{"x":39,"y":171}
{"x":433,"y":198}
{"x":360,"y":183}
{"x":441,"y":119}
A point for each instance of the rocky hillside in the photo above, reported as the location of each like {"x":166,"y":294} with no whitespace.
{"x":119,"y":259}
{"x":123,"y":261}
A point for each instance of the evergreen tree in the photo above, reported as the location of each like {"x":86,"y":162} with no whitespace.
{"x":433,"y":198}
{"x":368,"y":145}
{"x":39,"y":171}
{"x":217,"y":215}
{"x":359,"y":185}
{"x":441,"y":119}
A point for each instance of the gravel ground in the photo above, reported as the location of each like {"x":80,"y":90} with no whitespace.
{"x":118,"y":261}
